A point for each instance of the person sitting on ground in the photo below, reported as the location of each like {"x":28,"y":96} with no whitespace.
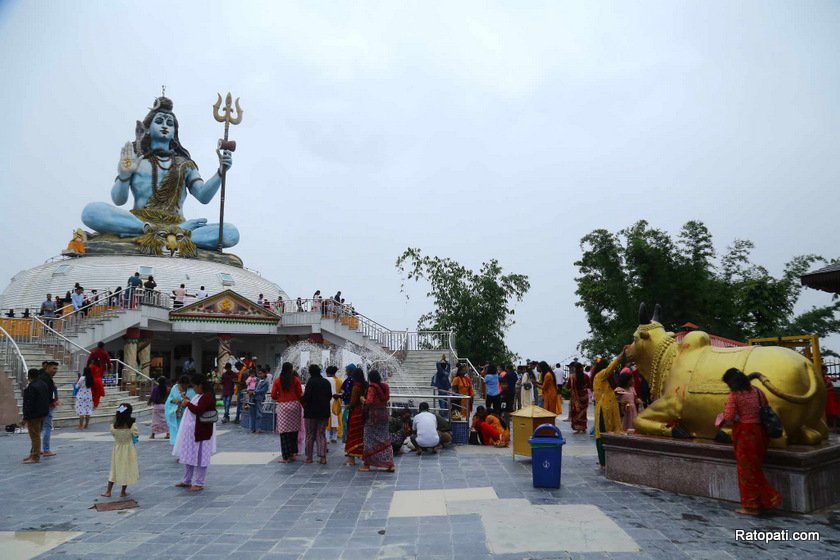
{"x":489,"y":434}
{"x":400,"y":428}
{"x":444,"y":430}
{"x":424,"y":433}
{"x":500,"y":426}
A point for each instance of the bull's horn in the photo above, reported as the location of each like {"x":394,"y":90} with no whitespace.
{"x":643,"y":320}
{"x":657,"y":310}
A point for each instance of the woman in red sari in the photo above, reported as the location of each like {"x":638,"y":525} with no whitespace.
{"x":98,"y":390}
{"x":354,"y":446}
{"x":377,"y":437}
{"x":578,"y":397}
{"x":750,"y":440}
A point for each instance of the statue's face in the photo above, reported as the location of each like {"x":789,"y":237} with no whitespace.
{"x":162,"y":127}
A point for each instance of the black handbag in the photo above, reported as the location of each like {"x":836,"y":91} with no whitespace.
{"x":475,"y":438}
{"x":769,"y":419}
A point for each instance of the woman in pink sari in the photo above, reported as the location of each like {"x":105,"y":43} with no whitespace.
{"x":378,"y":451}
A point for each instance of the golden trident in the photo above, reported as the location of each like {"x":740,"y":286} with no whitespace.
{"x":226,"y":116}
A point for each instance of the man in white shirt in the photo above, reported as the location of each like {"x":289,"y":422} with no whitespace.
{"x":560,"y":374}
{"x":424,"y":432}
{"x":201,"y":294}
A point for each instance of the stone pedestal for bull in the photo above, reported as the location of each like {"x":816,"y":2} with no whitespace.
{"x":686,"y":383}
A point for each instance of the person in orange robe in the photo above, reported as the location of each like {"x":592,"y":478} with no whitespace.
{"x":504,"y":433}
{"x":489,"y":434}
{"x":462,"y":385}
{"x":551,"y":398}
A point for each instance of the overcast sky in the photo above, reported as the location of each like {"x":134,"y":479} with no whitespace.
{"x":470,"y":130}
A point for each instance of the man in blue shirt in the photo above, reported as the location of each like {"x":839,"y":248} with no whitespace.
{"x":491,"y":382}
{"x":134,"y":282}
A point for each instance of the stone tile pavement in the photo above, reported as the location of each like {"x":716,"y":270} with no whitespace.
{"x":471,"y":503}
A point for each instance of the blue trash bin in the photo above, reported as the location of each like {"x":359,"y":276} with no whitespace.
{"x":546,"y":456}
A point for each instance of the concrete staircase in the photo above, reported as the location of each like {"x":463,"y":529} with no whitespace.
{"x":418,"y":369}
{"x":66,"y":416}
{"x":102,"y":326}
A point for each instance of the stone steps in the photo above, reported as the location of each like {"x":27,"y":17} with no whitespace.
{"x":66,"y":417}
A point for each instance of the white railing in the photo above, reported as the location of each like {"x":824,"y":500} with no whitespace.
{"x":475,"y":376}
{"x":398,"y":401}
{"x":14,"y":364}
{"x":72,"y":322}
{"x":347,"y":315}
{"x":66,"y":350}
{"x":123,"y":299}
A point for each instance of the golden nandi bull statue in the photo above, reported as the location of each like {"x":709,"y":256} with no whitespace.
{"x":685,"y":381}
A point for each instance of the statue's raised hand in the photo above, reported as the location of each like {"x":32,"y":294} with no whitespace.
{"x":129,"y":161}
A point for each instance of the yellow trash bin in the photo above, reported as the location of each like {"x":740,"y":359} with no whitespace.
{"x":525,"y":421}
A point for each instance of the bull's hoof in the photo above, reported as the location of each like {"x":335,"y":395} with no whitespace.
{"x":680,"y":433}
{"x":723,"y":437}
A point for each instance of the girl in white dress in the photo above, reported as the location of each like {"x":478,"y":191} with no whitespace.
{"x":84,"y":398}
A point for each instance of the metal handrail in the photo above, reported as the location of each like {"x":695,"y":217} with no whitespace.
{"x":476,"y":378}
{"x":425,"y":398}
{"x":19,"y":373}
{"x":86,"y":351}
{"x":142,"y":296}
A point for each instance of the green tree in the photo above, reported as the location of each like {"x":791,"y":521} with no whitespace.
{"x":478,"y":306}
{"x":731,"y":297}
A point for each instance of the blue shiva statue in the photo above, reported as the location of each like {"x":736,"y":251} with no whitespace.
{"x":159,"y":172}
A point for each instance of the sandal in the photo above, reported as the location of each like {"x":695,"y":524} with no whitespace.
{"x":390,"y":469}
{"x":747,"y":511}
{"x":322,"y":461}
{"x":196,"y":488}
{"x":364,"y":469}
{"x":307,"y":461}
{"x":183,"y":485}
{"x":284,"y":461}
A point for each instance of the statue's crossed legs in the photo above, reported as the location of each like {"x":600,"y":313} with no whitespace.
{"x":104,"y":218}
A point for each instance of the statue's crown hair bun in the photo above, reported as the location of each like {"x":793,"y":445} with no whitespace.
{"x":162,"y":104}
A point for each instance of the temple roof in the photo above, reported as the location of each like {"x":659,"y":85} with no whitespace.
{"x":826,"y":279}
{"x":225,"y":307}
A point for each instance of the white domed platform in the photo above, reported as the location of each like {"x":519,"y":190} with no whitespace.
{"x":28,"y":288}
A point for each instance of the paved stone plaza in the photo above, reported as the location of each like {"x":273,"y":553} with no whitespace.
{"x":466,"y":503}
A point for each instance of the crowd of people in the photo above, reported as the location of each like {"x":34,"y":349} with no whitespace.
{"x":138,"y":291}
{"x":314,"y":409}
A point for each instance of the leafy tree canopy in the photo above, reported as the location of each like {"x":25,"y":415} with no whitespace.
{"x":729,"y":296}
{"x":478,"y":306}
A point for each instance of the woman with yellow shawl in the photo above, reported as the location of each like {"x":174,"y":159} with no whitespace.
{"x":607,"y":415}
{"x":552,"y":401}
